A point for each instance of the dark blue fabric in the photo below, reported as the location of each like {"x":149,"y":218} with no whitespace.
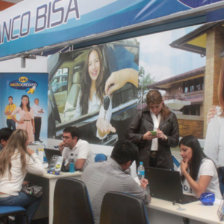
{"x":28,"y":202}
{"x":10,"y":209}
{"x":11,"y":124}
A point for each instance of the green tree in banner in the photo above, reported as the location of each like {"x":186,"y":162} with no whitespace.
{"x":145,"y":79}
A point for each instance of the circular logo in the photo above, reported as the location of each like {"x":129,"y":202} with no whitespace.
{"x":23,"y":79}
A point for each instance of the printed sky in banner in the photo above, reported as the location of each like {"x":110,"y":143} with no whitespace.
{"x":162,"y":61}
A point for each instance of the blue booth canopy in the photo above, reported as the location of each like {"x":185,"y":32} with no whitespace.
{"x":47,"y":26}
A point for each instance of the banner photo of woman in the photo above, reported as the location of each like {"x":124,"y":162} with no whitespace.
{"x":95,"y":89}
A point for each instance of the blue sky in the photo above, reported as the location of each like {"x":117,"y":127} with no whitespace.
{"x":163,"y":61}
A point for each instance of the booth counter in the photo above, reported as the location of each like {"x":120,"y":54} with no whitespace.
{"x":161,"y":211}
{"x":48,"y":181}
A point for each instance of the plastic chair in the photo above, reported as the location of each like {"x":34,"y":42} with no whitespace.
{"x":122,"y":208}
{"x":175,"y":161}
{"x":71,"y":202}
{"x":6,"y":211}
{"x":100,"y":157}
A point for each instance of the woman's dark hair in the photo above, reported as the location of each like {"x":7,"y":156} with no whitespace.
{"x":197,"y":154}
{"x":124,"y":151}
{"x":155,"y":97}
{"x":86,"y":81}
{"x":28,"y":104}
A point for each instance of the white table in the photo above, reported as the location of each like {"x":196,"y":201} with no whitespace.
{"x":48,"y":181}
{"x":161,"y":211}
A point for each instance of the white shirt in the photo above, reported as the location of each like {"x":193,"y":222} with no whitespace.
{"x":13,"y":185}
{"x":80,"y":151}
{"x":214,"y":141}
{"x":207,"y":168}
{"x":93,"y":106}
{"x":36,"y":109}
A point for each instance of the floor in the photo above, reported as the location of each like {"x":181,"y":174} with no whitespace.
{"x":40,"y":221}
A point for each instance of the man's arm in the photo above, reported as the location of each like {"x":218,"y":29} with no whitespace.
{"x":79,"y":164}
{"x":84,"y":150}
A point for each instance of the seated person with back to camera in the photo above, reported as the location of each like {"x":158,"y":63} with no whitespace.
{"x":5,"y":133}
{"x":16,"y":159}
{"x":75,"y":148}
{"x":114,"y":175}
{"x":198,"y":172}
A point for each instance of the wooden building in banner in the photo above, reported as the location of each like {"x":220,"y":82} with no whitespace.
{"x":198,"y":87}
{"x":208,"y":41}
{"x":184,"y":95}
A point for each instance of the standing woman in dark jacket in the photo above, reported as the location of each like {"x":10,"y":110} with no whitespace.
{"x":154,"y":148}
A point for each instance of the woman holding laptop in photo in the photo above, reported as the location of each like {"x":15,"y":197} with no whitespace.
{"x":199,"y":173}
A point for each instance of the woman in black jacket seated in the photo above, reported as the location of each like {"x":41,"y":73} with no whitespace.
{"x":155,"y":130}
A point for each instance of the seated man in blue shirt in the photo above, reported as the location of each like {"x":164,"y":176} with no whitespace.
{"x":113,"y":175}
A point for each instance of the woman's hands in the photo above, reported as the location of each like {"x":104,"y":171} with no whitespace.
{"x":184,"y":167}
{"x":159,"y":134}
{"x":211,"y":113}
{"x":148,"y":136}
{"x":30,"y":151}
{"x":104,"y":127}
{"x":21,"y":121}
{"x":119,"y":78}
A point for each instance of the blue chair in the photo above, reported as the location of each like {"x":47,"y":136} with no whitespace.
{"x":6,"y":211}
{"x":175,"y":161}
{"x":122,"y":208}
{"x":71,"y":202}
{"x":100,"y":157}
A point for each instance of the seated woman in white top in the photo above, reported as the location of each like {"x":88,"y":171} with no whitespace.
{"x":199,"y":173}
{"x":15,"y":161}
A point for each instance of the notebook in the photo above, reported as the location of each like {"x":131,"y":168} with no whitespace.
{"x":50,"y":153}
{"x":166,"y":184}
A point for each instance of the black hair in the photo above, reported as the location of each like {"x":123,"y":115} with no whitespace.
{"x":197,"y":154}
{"x":28,"y":104}
{"x":74,"y":131}
{"x":10,"y":97}
{"x":124,"y":151}
{"x":5,"y":133}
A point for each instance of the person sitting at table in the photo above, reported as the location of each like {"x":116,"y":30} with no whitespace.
{"x":16,"y":159}
{"x":5,"y":133}
{"x":75,"y":148}
{"x":199,"y":173}
{"x":114,"y":175}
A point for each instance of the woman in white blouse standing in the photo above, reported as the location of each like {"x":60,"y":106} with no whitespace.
{"x":214,"y":141}
{"x":15,"y":161}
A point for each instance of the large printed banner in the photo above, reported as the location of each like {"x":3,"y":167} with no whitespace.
{"x":35,"y":24}
{"x":24,"y":103}
{"x":99,"y":88}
